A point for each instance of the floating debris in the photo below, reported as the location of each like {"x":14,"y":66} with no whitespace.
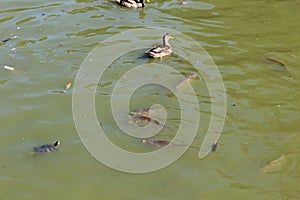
{"x":68,"y":86}
{"x":46,"y":147}
{"x":9,"y":68}
{"x":10,"y":38}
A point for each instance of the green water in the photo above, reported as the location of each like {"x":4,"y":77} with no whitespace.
{"x":262,"y":97}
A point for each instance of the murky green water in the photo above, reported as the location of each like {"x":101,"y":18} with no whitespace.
{"x":243,"y":37}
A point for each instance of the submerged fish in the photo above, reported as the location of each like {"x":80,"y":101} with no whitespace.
{"x":147,"y":111}
{"x":187,"y":79}
{"x":279,"y":164}
{"x":282,"y":60}
{"x":275,"y":165}
{"x":10,"y":38}
{"x":140,"y":120}
{"x":190,"y":77}
{"x":156,"y":142}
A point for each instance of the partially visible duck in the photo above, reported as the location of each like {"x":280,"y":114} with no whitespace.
{"x":131,"y":3}
{"x":161,"y":50}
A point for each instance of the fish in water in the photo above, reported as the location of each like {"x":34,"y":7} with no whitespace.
{"x":46,"y":147}
{"x":156,"y":142}
{"x":282,"y":60}
{"x":139,"y":119}
{"x":281,"y":163}
{"x":275,"y":165}
{"x":10,"y":38}
{"x":147,"y":111}
{"x":187,"y":79}
{"x":190,"y":77}
{"x":142,"y":112}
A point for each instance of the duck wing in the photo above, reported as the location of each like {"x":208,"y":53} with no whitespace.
{"x":159,"y":49}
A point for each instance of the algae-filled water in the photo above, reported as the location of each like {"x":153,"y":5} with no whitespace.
{"x":256,"y":46}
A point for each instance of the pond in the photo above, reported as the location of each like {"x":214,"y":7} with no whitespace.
{"x":254,"y":44}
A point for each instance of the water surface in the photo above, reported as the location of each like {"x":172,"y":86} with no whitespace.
{"x":262,"y":98}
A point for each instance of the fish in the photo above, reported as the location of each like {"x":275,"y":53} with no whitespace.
{"x":190,"y":77}
{"x":282,"y":60}
{"x":187,"y":79}
{"x":10,"y":38}
{"x":143,"y":112}
{"x":139,"y":119}
{"x":275,"y":165}
{"x":156,"y":142}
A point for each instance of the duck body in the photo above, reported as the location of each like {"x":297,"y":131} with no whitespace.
{"x":131,"y":3}
{"x":46,"y":147}
{"x":160,"y":51}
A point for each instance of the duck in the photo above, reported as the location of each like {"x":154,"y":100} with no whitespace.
{"x":160,"y":51}
{"x":131,"y":3}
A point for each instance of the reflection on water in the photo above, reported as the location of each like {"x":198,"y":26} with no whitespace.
{"x":256,"y":51}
